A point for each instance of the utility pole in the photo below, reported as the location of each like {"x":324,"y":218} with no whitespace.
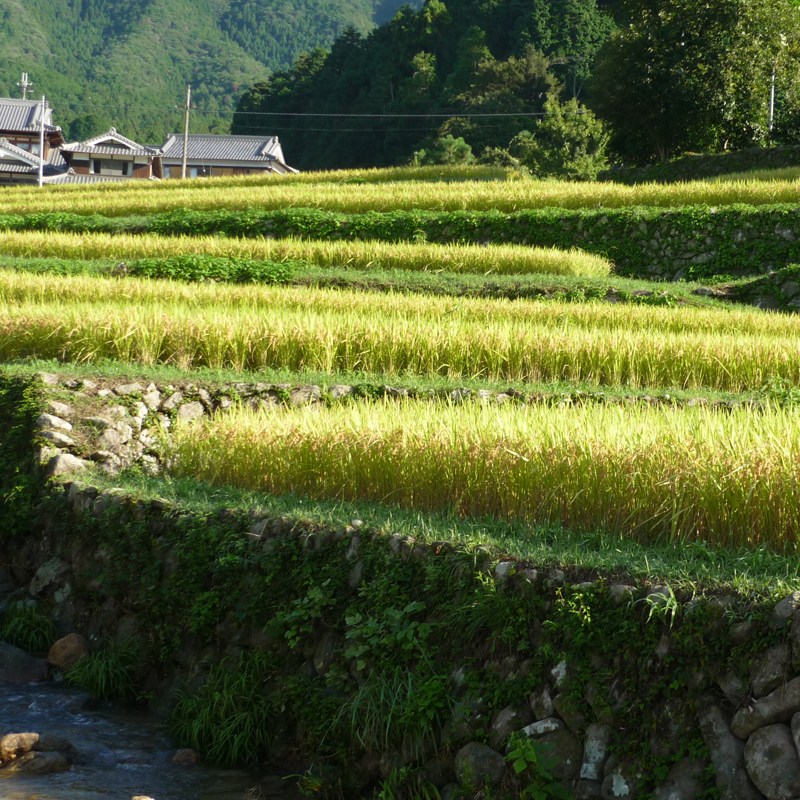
{"x":772,"y":101}
{"x":41,"y":144}
{"x":186,"y":130}
{"x":24,"y":84}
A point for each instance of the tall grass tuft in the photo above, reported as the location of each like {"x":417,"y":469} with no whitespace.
{"x":26,"y":627}
{"x":727,"y":478}
{"x":228,"y":721}
{"x":110,"y":674}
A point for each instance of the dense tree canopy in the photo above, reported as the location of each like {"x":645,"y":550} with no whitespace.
{"x":697,"y":74}
{"x":425,"y":75}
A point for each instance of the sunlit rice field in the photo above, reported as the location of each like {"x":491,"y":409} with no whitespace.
{"x":505,"y":259}
{"x":727,"y":478}
{"x":255,"y":327}
{"x":144,"y":197}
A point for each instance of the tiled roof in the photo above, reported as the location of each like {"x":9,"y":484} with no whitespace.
{"x":111,"y":143}
{"x":210,"y":147}
{"x":71,"y":177}
{"x":31,"y":159}
{"x":24,"y":115}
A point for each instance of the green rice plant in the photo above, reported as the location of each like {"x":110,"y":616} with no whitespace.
{"x":26,"y":627}
{"x":467,"y":258}
{"x":229,"y":719}
{"x":110,"y":674}
{"x":655,"y":474}
{"x":349,"y":193}
{"x":84,"y":319}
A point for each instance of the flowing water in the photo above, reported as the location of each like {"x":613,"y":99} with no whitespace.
{"x":119,"y":755}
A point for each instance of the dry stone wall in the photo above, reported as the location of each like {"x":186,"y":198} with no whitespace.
{"x":750,"y":728}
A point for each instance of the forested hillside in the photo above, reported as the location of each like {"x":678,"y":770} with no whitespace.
{"x":459,"y":57}
{"x":127,"y":62}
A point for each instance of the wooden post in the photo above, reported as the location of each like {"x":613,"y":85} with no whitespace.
{"x":186,"y":130}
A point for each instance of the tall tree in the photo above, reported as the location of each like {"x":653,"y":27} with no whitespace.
{"x":694,"y":74}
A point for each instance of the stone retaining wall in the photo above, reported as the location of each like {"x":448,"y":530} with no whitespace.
{"x":751,"y":730}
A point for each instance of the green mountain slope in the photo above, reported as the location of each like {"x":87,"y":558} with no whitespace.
{"x":127,"y":62}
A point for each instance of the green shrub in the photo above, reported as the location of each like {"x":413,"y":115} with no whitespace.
{"x":198,"y":267}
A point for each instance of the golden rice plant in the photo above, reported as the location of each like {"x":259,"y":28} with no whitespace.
{"x":145,"y":197}
{"x":504,"y":259}
{"x":253,"y":327}
{"x":727,"y":478}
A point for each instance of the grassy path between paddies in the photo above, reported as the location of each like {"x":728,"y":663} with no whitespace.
{"x":143,"y":197}
{"x":456,"y":258}
{"x":726,"y":478}
{"x":257,"y":327}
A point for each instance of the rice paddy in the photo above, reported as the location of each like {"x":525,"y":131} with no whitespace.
{"x":716,"y":475}
{"x":84,"y":318}
{"x":359,"y":192}
{"x":504,"y":259}
{"x":651,"y":473}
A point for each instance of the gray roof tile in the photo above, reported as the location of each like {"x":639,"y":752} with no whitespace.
{"x":98,"y":146}
{"x":24,"y":115}
{"x":211,"y":147}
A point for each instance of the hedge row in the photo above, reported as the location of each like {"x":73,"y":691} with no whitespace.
{"x":688,"y":242}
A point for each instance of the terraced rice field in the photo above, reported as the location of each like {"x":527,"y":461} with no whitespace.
{"x":717,"y":475}
{"x":362,"y":191}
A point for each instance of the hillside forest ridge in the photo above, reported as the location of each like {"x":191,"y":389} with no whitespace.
{"x":549,"y":87}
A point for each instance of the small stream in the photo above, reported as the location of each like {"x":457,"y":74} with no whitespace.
{"x":119,"y":755}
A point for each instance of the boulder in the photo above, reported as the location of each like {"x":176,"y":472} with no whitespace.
{"x":620,"y":783}
{"x":187,"y":757}
{"x":505,"y":722}
{"x":684,"y":781}
{"x":189,"y":412}
{"x":771,"y":670}
{"x":63,"y":464}
{"x":67,"y":652}
{"x":541,"y":703}
{"x":772,"y":762}
{"x":16,"y":666}
{"x":303,"y":395}
{"x":60,"y":409}
{"x":778,"y":706}
{"x":53,"y":423}
{"x":567,"y":751}
{"x":595,"y":751}
{"x":477,"y":765}
{"x":35,"y":764}
{"x":57,"y":438}
{"x":724,"y":749}
{"x":128,"y":389}
{"x":542,"y":727}
{"x":48,"y":574}
{"x":14,"y":745}
{"x":784,"y":609}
